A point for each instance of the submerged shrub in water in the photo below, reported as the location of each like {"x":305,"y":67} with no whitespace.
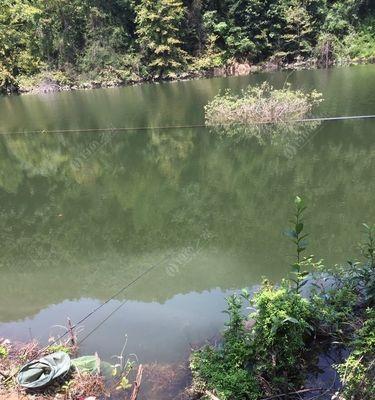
{"x":259,"y":105}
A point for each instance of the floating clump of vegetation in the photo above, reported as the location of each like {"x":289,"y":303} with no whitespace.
{"x":261,"y":104}
{"x":263,"y":112}
{"x":264,"y":354}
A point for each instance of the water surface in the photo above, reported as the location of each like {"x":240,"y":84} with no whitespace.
{"x":83,"y":214}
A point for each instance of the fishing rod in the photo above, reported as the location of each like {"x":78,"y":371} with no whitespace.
{"x":113,"y":296}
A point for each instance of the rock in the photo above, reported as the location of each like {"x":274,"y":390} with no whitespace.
{"x":240,"y":69}
{"x":48,"y":86}
{"x":249,"y":324}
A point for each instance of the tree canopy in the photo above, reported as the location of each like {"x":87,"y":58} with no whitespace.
{"x":127,"y":39}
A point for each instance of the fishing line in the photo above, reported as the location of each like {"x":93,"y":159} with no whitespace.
{"x":88,"y":130}
{"x":343,"y":118}
{"x":103,"y":321}
{"x":147,"y":271}
{"x":169,"y":127}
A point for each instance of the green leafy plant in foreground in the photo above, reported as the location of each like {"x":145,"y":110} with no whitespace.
{"x":334,"y":311}
{"x":264,"y":349}
{"x":368,"y":246}
{"x":282,"y":326}
{"x":226,"y":369}
{"x":298,"y":237}
{"x":264,"y":354}
{"x":269,"y":352}
{"x":357,"y":373}
{"x":366,"y":274}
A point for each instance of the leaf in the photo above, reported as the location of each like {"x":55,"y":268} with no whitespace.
{"x":245,"y":294}
{"x":290,"y":233}
{"x":276,"y":325}
{"x":291,"y":319}
{"x":296,"y":267}
{"x":310,"y":327}
{"x":299,"y":228}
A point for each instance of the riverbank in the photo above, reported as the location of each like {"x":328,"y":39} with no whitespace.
{"x":157,"y":39}
{"x":57,"y":81}
{"x":317,"y":311}
{"x":90,"y":378}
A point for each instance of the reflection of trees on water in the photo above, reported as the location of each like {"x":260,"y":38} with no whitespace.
{"x":151,"y":180}
{"x":140,"y":195}
{"x":287,"y":137}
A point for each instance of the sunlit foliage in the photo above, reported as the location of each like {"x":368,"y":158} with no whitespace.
{"x":124,"y":40}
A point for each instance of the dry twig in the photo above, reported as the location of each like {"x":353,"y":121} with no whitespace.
{"x":137,"y":383}
{"x":211,"y":395}
{"x":291,"y":393}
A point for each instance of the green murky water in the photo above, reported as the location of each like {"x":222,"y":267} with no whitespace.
{"x":83,"y":214}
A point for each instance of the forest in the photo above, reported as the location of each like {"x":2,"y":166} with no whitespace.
{"x":123,"y":41}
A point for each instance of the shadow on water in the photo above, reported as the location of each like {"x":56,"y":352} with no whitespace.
{"x":321,"y":372}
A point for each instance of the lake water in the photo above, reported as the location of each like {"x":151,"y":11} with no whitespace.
{"x":84,"y":214}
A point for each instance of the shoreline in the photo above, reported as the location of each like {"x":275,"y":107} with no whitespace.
{"x":48,"y":84}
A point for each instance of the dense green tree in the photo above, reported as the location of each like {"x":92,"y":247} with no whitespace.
{"x":108,"y":35}
{"x":342,"y":14}
{"x":158,"y":34}
{"x":107,"y":40}
{"x":17,"y":19}
{"x":257,"y":29}
{"x":299,"y":34}
{"x":62,"y":31}
{"x":263,"y":22}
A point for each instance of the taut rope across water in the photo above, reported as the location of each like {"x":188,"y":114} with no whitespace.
{"x":151,"y":128}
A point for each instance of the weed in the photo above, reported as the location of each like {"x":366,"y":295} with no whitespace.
{"x":3,"y":352}
{"x":59,"y":347}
